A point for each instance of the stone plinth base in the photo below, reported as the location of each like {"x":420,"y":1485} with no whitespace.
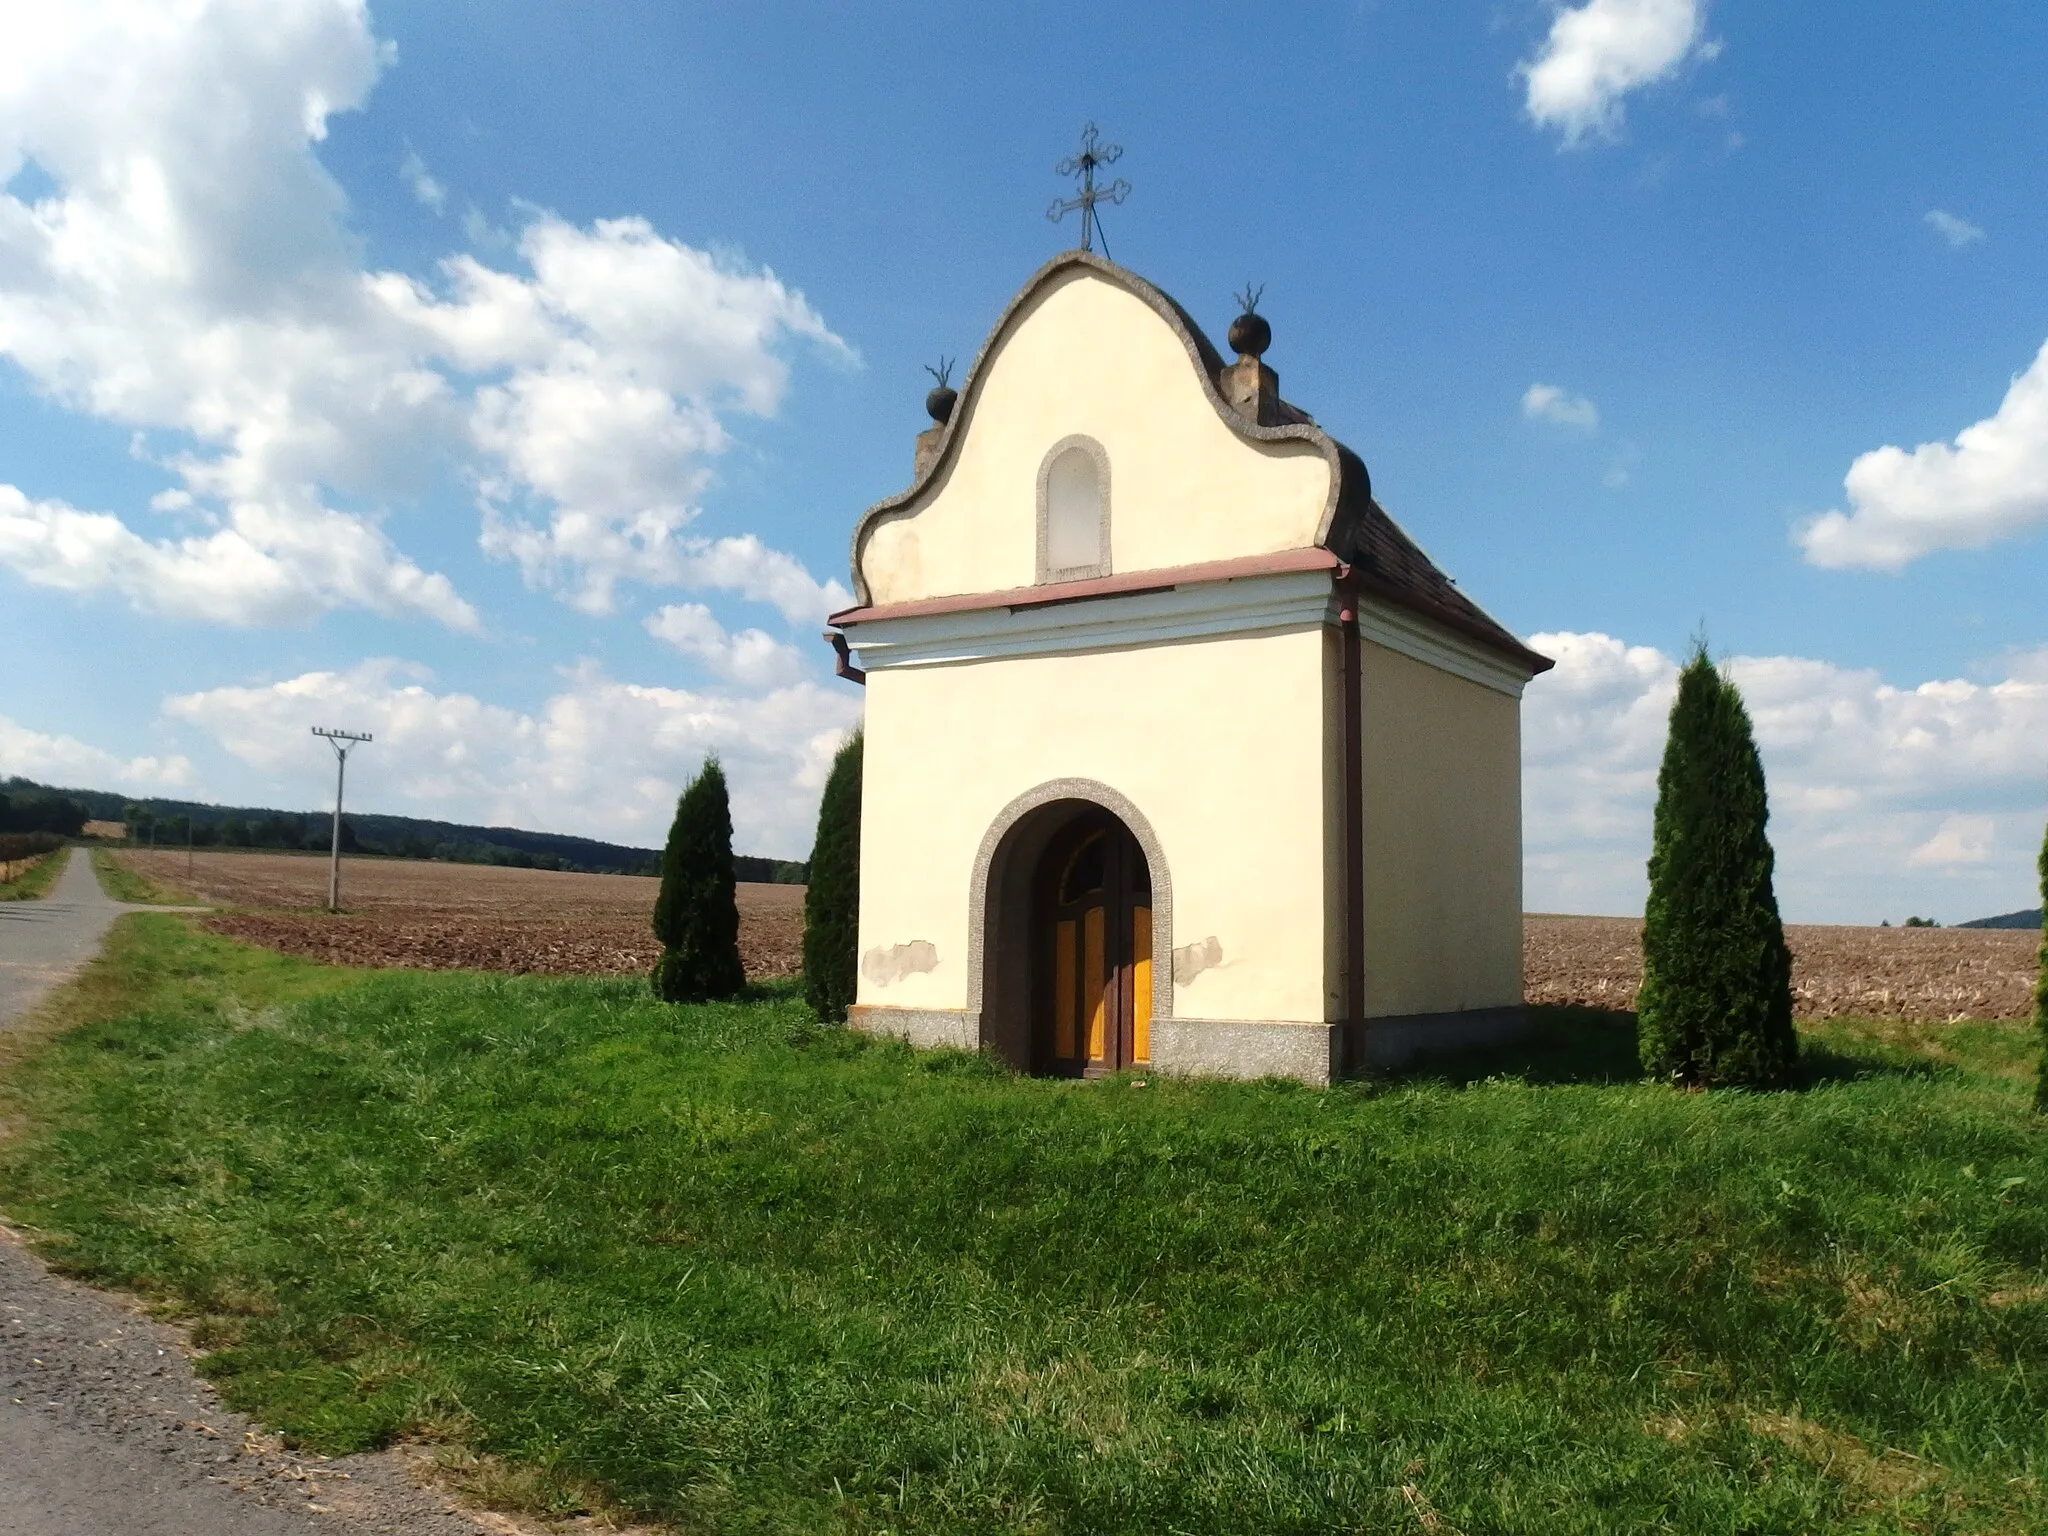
{"x":1316,"y":1054}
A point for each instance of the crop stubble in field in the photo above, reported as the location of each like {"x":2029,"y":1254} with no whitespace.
{"x":476,"y":917}
{"x":1930,"y":975}
{"x":401,"y":912}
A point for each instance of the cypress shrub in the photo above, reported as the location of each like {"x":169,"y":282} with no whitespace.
{"x":695,"y":916}
{"x":832,"y":900}
{"x":1716,"y":1002}
{"x":2041,"y":986}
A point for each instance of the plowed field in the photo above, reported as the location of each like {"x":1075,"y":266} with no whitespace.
{"x":459,"y":916}
{"x":1923,"y":974}
{"x":473,"y":917}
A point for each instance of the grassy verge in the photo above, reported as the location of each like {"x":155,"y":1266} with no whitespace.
{"x":750,"y":1275}
{"x":122,"y":883}
{"x":35,"y":884}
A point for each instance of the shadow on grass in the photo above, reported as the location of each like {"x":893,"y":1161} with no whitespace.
{"x":1820,"y":1064}
{"x":1593,"y":1046}
{"x":1562,"y":1045}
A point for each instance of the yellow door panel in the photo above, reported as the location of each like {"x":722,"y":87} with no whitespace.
{"x":1093,"y":975}
{"x":1141,"y":984}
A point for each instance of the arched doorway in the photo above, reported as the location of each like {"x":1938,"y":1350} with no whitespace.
{"x":1012,"y":951}
{"x":1091,"y":950}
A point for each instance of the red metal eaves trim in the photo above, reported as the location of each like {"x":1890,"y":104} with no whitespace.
{"x":1050,"y":593}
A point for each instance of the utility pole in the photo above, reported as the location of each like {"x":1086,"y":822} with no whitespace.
{"x":341,"y":741}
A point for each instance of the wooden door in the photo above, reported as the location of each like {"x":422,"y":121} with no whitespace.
{"x":1094,"y":982}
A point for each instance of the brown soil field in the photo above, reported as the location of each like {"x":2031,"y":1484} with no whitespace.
{"x":1929,"y":975}
{"x":399,"y":912}
{"x":478,"y":917}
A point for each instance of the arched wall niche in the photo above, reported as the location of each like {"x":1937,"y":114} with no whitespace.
{"x":1073,"y":510}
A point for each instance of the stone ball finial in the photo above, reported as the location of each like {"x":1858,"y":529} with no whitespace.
{"x":939,"y":402}
{"x":1249,"y":333}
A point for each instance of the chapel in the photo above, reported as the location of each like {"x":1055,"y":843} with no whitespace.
{"x":1180,"y":755}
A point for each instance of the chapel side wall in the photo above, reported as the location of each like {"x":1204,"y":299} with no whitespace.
{"x":1088,"y":357}
{"x":1443,"y":840}
{"x":1219,"y":745}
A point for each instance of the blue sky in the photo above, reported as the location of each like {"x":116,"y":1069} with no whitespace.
{"x":505,"y":378}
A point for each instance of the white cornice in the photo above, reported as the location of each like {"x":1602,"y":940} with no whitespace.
{"x":1434,"y":645}
{"x":1294,"y":600}
{"x":1248,"y":605}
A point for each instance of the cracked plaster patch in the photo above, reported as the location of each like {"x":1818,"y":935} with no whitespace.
{"x":1190,"y":960}
{"x":885,"y":967}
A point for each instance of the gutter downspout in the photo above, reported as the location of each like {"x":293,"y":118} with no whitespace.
{"x":1351,"y":1055}
{"x":843,"y":665}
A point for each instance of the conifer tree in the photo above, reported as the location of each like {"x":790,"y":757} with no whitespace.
{"x":1716,"y":1002}
{"x":832,"y":903}
{"x":2041,"y":986}
{"x":695,"y":915}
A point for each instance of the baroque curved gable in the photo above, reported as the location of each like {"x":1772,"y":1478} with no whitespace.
{"x":1088,"y":351}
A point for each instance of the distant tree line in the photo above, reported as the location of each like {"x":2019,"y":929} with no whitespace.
{"x":33,"y":809}
{"x":26,"y":806}
{"x":26,"y":845}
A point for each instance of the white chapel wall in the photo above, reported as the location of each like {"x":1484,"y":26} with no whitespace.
{"x":1088,"y":357}
{"x":1443,"y":829}
{"x":1220,"y":743}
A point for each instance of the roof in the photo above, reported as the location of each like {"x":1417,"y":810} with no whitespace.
{"x":1381,"y":557}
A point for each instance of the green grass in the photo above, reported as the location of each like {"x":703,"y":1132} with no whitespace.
{"x":745,"y":1274}
{"x":35,"y":884}
{"x":124,"y":884}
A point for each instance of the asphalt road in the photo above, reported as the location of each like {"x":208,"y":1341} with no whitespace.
{"x":43,"y":942}
{"x":104,"y":1428}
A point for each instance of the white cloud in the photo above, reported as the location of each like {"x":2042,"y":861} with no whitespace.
{"x":2027,"y":666}
{"x":1957,"y":232}
{"x":1554,"y":404}
{"x":752,"y":657}
{"x":1991,"y":484}
{"x":623,"y":349}
{"x":599,"y":758}
{"x":425,"y":189}
{"x":1961,"y":840}
{"x":269,"y":569}
{"x":1597,"y":53}
{"x":70,"y":763}
{"x":193,"y":276}
{"x":1884,"y":799}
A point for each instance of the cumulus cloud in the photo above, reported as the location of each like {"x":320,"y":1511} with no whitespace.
{"x":67,"y":761}
{"x":601,"y":758}
{"x":425,"y":189}
{"x":1957,"y":232}
{"x":271,"y":569}
{"x":1599,"y":52}
{"x":1990,"y":484}
{"x":188,"y":271}
{"x":1960,"y":840}
{"x":620,"y":353}
{"x":752,"y":657}
{"x":1554,"y":404}
{"x":1884,"y":799}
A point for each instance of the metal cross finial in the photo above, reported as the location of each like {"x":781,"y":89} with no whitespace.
{"x":1083,"y":165}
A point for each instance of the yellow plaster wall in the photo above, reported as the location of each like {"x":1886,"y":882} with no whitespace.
{"x":1220,"y":743}
{"x":1443,"y":851}
{"x":1087,"y":356}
